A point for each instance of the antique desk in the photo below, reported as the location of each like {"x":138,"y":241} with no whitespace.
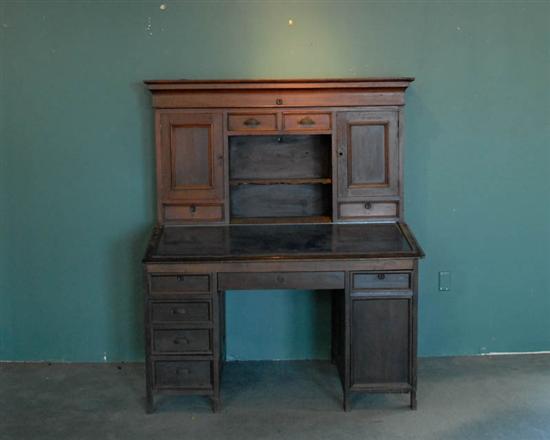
{"x":280,"y":184}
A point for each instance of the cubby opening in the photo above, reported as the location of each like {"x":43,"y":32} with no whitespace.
{"x":280,"y":179}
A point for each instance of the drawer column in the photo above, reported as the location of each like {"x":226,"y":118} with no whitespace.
{"x":182,"y":336}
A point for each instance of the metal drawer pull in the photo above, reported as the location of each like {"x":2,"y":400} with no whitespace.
{"x":180,"y":277}
{"x":381,"y":276}
{"x":182,"y":339}
{"x":251,"y":122}
{"x":183,"y":371}
{"x":306,"y":121}
{"x":368,"y":205}
{"x":193,"y":209}
{"x":179,"y":311}
{"x":279,"y":101}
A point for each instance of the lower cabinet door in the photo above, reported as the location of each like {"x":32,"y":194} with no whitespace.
{"x":381,"y":343}
{"x":183,"y":374}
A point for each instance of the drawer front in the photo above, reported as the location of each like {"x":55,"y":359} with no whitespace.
{"x":192,"y":212}
{"x":368,"y":209}
{"x":381,"y":280}
{"x":183,"y":374}
{"x":306,"y":121}
{"x":281,"y":280}
{"x":182,"y":341}
{"x":252,"y":122}
{"x":180,"y":283}
{"x":189,"y":311}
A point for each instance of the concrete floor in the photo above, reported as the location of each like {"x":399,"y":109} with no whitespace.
{"x":505,"y":397}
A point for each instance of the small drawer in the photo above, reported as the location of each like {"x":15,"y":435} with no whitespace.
{"x":306,"y":121}
{"x":252,"y":122}
{"x":180,"y":283}
{"x":188,"y":311}
{"x":368,"y":209}
{"x":193,"y":212}
{"x":381,"y":280}
{"x":182,"y":341}
{"x":183,"y":374}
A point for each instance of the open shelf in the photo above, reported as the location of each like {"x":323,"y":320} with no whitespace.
{"x":292,"y":181}
{"x":280,"y":179}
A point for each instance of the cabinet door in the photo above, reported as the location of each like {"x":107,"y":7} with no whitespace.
{"x":191,"y":155}
{"x":368,"y":154}
{"x":380,"y":335}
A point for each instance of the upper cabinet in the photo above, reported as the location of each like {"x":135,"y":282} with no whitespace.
{"x":190,"y":169}
{"x":367,"y":147}
{"x":279,"y":151}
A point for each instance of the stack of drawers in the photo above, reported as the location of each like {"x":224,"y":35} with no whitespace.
{"x":179,"y":332}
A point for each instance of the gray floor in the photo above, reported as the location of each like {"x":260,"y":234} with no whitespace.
{"x":505,"y":397}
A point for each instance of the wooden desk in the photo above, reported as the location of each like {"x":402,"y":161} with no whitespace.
{"x":285,"y":184}
{"x":371,"y":269}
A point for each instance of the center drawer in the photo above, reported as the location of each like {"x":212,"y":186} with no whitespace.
{"x":281,"y":280}
{"x":188,"y":311}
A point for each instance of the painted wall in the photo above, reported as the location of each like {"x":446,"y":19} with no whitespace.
{"x":77,"y":195}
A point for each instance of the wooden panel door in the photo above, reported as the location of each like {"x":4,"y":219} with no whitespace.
{"x":381,"y":342}
{"x":191,"y":156}
{"x":368,"y":154}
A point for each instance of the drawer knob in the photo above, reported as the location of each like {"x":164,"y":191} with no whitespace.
{"x":306,"y":121}
{"x":180,"y":277}
{"x":251,"y":122}
{"x":183,"y":371}
{"x":381,"y":276}
{"x":179,"y":311}
{"x":340,"y":153}
{"x":280,"y":279}
{"x":279,"y":101}
{"x":193,"y":209}
{"x":183,"y":340}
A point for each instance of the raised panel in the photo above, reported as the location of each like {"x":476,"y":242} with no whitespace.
{"x":380,"y":341}
{"x":368,"y":154}
{"x":191,"y":157}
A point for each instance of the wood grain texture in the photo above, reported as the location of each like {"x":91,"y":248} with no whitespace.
{"x":278,"y":157}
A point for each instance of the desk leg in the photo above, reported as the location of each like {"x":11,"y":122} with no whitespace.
{"x":150,"y":402}
{"x":217,"y":320}
{"x":414,"y":335}
{"x":216,"y":404}
{"x":347,"y":342}
{"x":413,"y":400}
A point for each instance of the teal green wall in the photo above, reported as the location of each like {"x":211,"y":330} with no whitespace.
{"x":77,"y":194}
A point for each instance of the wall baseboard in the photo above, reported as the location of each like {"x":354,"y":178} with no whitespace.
{"x":511,"y":353}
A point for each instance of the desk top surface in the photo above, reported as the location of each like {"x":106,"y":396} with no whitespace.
{"x":275,"y":242}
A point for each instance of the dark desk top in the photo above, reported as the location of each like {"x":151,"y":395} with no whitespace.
{"x":275,"y":242}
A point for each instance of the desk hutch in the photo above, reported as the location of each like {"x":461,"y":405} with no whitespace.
{"x":280,"y":184}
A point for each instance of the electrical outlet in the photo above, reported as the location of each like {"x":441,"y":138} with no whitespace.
{"x":444,"y":281}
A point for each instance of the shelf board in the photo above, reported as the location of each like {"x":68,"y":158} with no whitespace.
{"x":267,"y":220}
{"x":286,"y":181}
